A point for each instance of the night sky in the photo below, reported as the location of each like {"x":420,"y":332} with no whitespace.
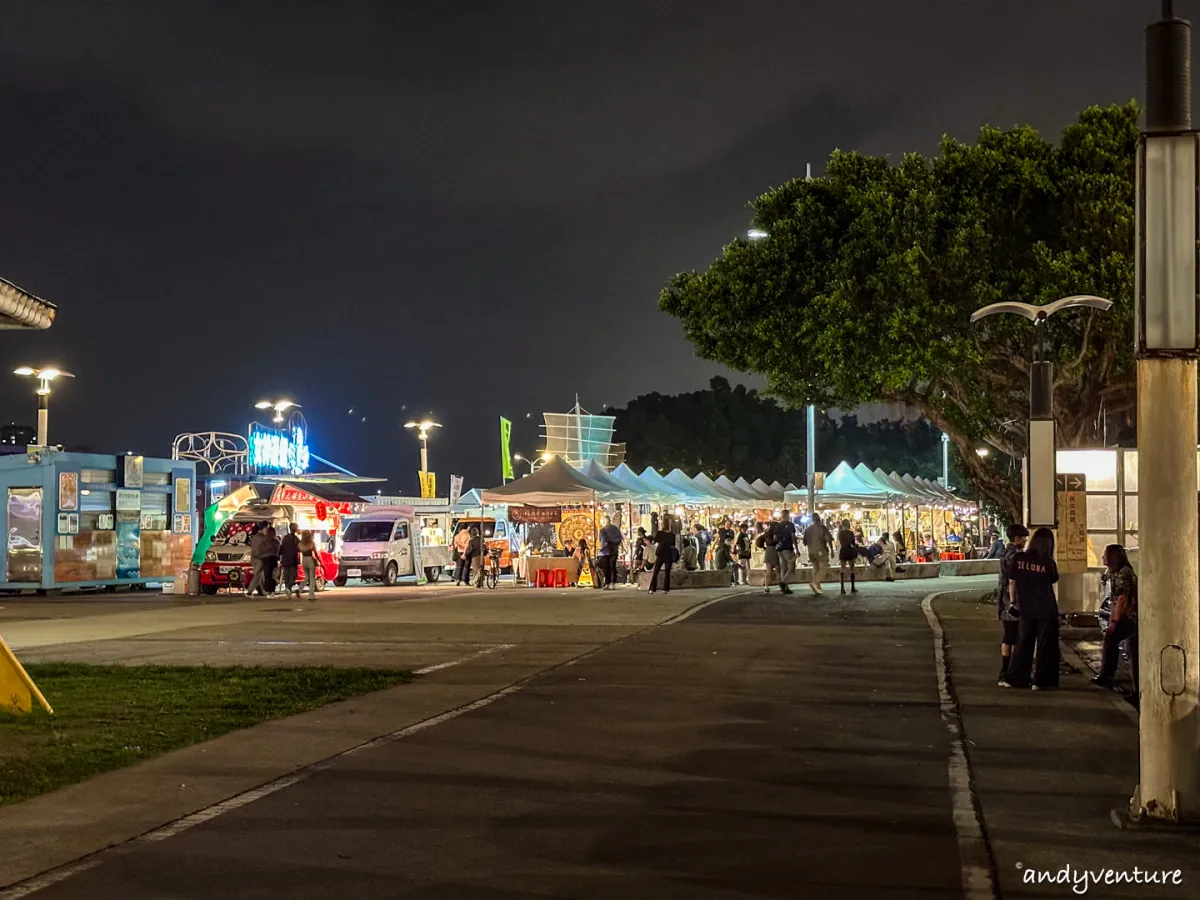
{"x":458,"y":208}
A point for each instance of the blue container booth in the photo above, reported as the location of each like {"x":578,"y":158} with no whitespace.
{"x":80,"y":520}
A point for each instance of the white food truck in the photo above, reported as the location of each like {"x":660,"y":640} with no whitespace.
{"x":377,"y":545}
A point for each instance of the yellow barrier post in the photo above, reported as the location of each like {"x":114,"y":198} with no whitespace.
{"x":17,"y":690}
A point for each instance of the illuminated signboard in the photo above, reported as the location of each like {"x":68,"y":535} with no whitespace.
{"x":278,"y":450}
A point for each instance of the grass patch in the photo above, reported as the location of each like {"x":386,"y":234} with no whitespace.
{"x":107,"y":717}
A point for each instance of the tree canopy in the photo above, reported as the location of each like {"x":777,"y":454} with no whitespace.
{"x":863,"y":289}
{"x":735,"y":431}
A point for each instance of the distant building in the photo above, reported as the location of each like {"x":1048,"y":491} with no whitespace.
{"x":13,"y":435}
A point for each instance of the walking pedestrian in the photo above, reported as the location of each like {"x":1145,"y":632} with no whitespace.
{"x":1018,"y":534}
{"x":665,"y":553}
{"x":309,"y":560}
{"x":289,"y":558}
{"x":785,"y":546}
{"x":639,"y":556}
{"x":847,"y":555}
{"x":1031,"y":587}
{"x":611,"y":540}
{"x":818,"y":540}
{"x":1119,"y":582}
{"x":766,"y":542}
{"x":742,"y":553}
{"x":475,"y":557}
{"x":260,"y":548}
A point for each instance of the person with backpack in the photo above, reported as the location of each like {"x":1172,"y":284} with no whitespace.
{"x":741,"y":547}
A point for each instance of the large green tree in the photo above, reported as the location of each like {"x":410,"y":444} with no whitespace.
{"x":863,"y":289}
{"x":735,"y":431}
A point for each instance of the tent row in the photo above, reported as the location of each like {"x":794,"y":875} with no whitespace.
{"x":557,"y":483}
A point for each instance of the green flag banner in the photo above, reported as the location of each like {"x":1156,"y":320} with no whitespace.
{"x":506,"y":469}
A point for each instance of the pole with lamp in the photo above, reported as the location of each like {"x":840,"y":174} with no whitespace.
{"x":1166,"y":285}
{"x":44,"y":376}
{"x":279,"y":407}
{"x":1040,"y":493}
{"x":423,"y":428}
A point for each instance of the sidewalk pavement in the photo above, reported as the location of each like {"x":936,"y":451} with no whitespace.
{"x":1048,"y":768}
{"x":466,"y":648}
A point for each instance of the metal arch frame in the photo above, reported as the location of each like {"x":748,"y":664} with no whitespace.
{"x":221,"y":451}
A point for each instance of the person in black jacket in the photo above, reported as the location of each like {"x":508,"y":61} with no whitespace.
{"x":289,"y":558}
{"x":1031,"y":589}
{"x":1009,"y":620}
{"x":664,"y":558}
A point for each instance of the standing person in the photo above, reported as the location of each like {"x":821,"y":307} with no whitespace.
{"x":1009,"y":620}
{"x":818,"y":540}
{"x":260,"y":548}
{"x":901,"y":550}
{"x":723,"y":557}
{"x":1120,"y":581}
{"x":664,"y":557}
{"x":309,"y":561}
{"x":703,"y":539}
{"x":289,"y":558}
{"x":785,"y":546}
{"x":1031,"y":587}
{"x":611,"y":540}
{"x":996,"y":550}
{"x":462,"y":565}
{"x":271,"y":561}
{"x":766,"y":542}
{"x":741,"y":548}
{"x":639,"y":556}
{"x":847,"y":554}
{"x":475,"y":558}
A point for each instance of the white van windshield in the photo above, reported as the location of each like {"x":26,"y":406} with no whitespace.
{"x":367,"y":532}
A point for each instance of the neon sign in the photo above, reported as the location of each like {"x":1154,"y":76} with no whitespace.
{"x":278,"y":451}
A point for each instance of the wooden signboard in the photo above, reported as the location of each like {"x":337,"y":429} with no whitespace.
{"x":1072,"y":540}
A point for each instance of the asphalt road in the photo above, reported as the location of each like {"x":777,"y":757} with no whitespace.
{"x":763,"y":747}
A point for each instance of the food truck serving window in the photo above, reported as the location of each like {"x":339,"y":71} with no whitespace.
{"x":364,"y":532}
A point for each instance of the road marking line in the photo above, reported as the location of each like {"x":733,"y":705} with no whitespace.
{"x":975,"y":855}
{"x":454,"y":662}
{"x":55,"y":876}
{"x":692,"y":610}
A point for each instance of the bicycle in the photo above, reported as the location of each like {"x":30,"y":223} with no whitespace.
{"x":491,"y":569}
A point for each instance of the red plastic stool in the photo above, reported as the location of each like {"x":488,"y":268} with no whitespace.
{"x":543,"y":578}
{"x":560,"y":578}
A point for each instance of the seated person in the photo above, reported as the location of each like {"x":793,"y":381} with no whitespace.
{"x":690,"y":556}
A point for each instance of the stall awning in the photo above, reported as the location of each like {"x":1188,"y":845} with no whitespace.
{"x":629,"y":478}
{"x":554,"y":484}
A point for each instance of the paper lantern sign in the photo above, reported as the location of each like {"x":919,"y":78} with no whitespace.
{"x":322,"y":512}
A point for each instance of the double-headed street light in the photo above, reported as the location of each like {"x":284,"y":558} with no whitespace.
{"x":279,"y":406}
{"x":535,"y":462}
{"x":44,"y":376}
{"x":1040,"y":489}
{"x":423,"y":429}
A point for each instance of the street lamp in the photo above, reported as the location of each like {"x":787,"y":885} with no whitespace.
{"x":756,"y":234}
{"x":280,"y":406}
{"x":1165,"y":290}
{"x":982,"y":452}
{"x":44,"y":376}
{"x":1039,"y":484}
{"x":423,"y":428}
{"x":519,"y":458}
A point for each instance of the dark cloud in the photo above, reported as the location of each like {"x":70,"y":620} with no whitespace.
{"x":461,"y":207}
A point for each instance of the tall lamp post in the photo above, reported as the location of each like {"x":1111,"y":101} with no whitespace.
{"x":423,"y":428}
{"x":44,"y":376}
{"x":1165,"y":281}
{"x":1040,"y":491}
{"x":278,"y":406}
